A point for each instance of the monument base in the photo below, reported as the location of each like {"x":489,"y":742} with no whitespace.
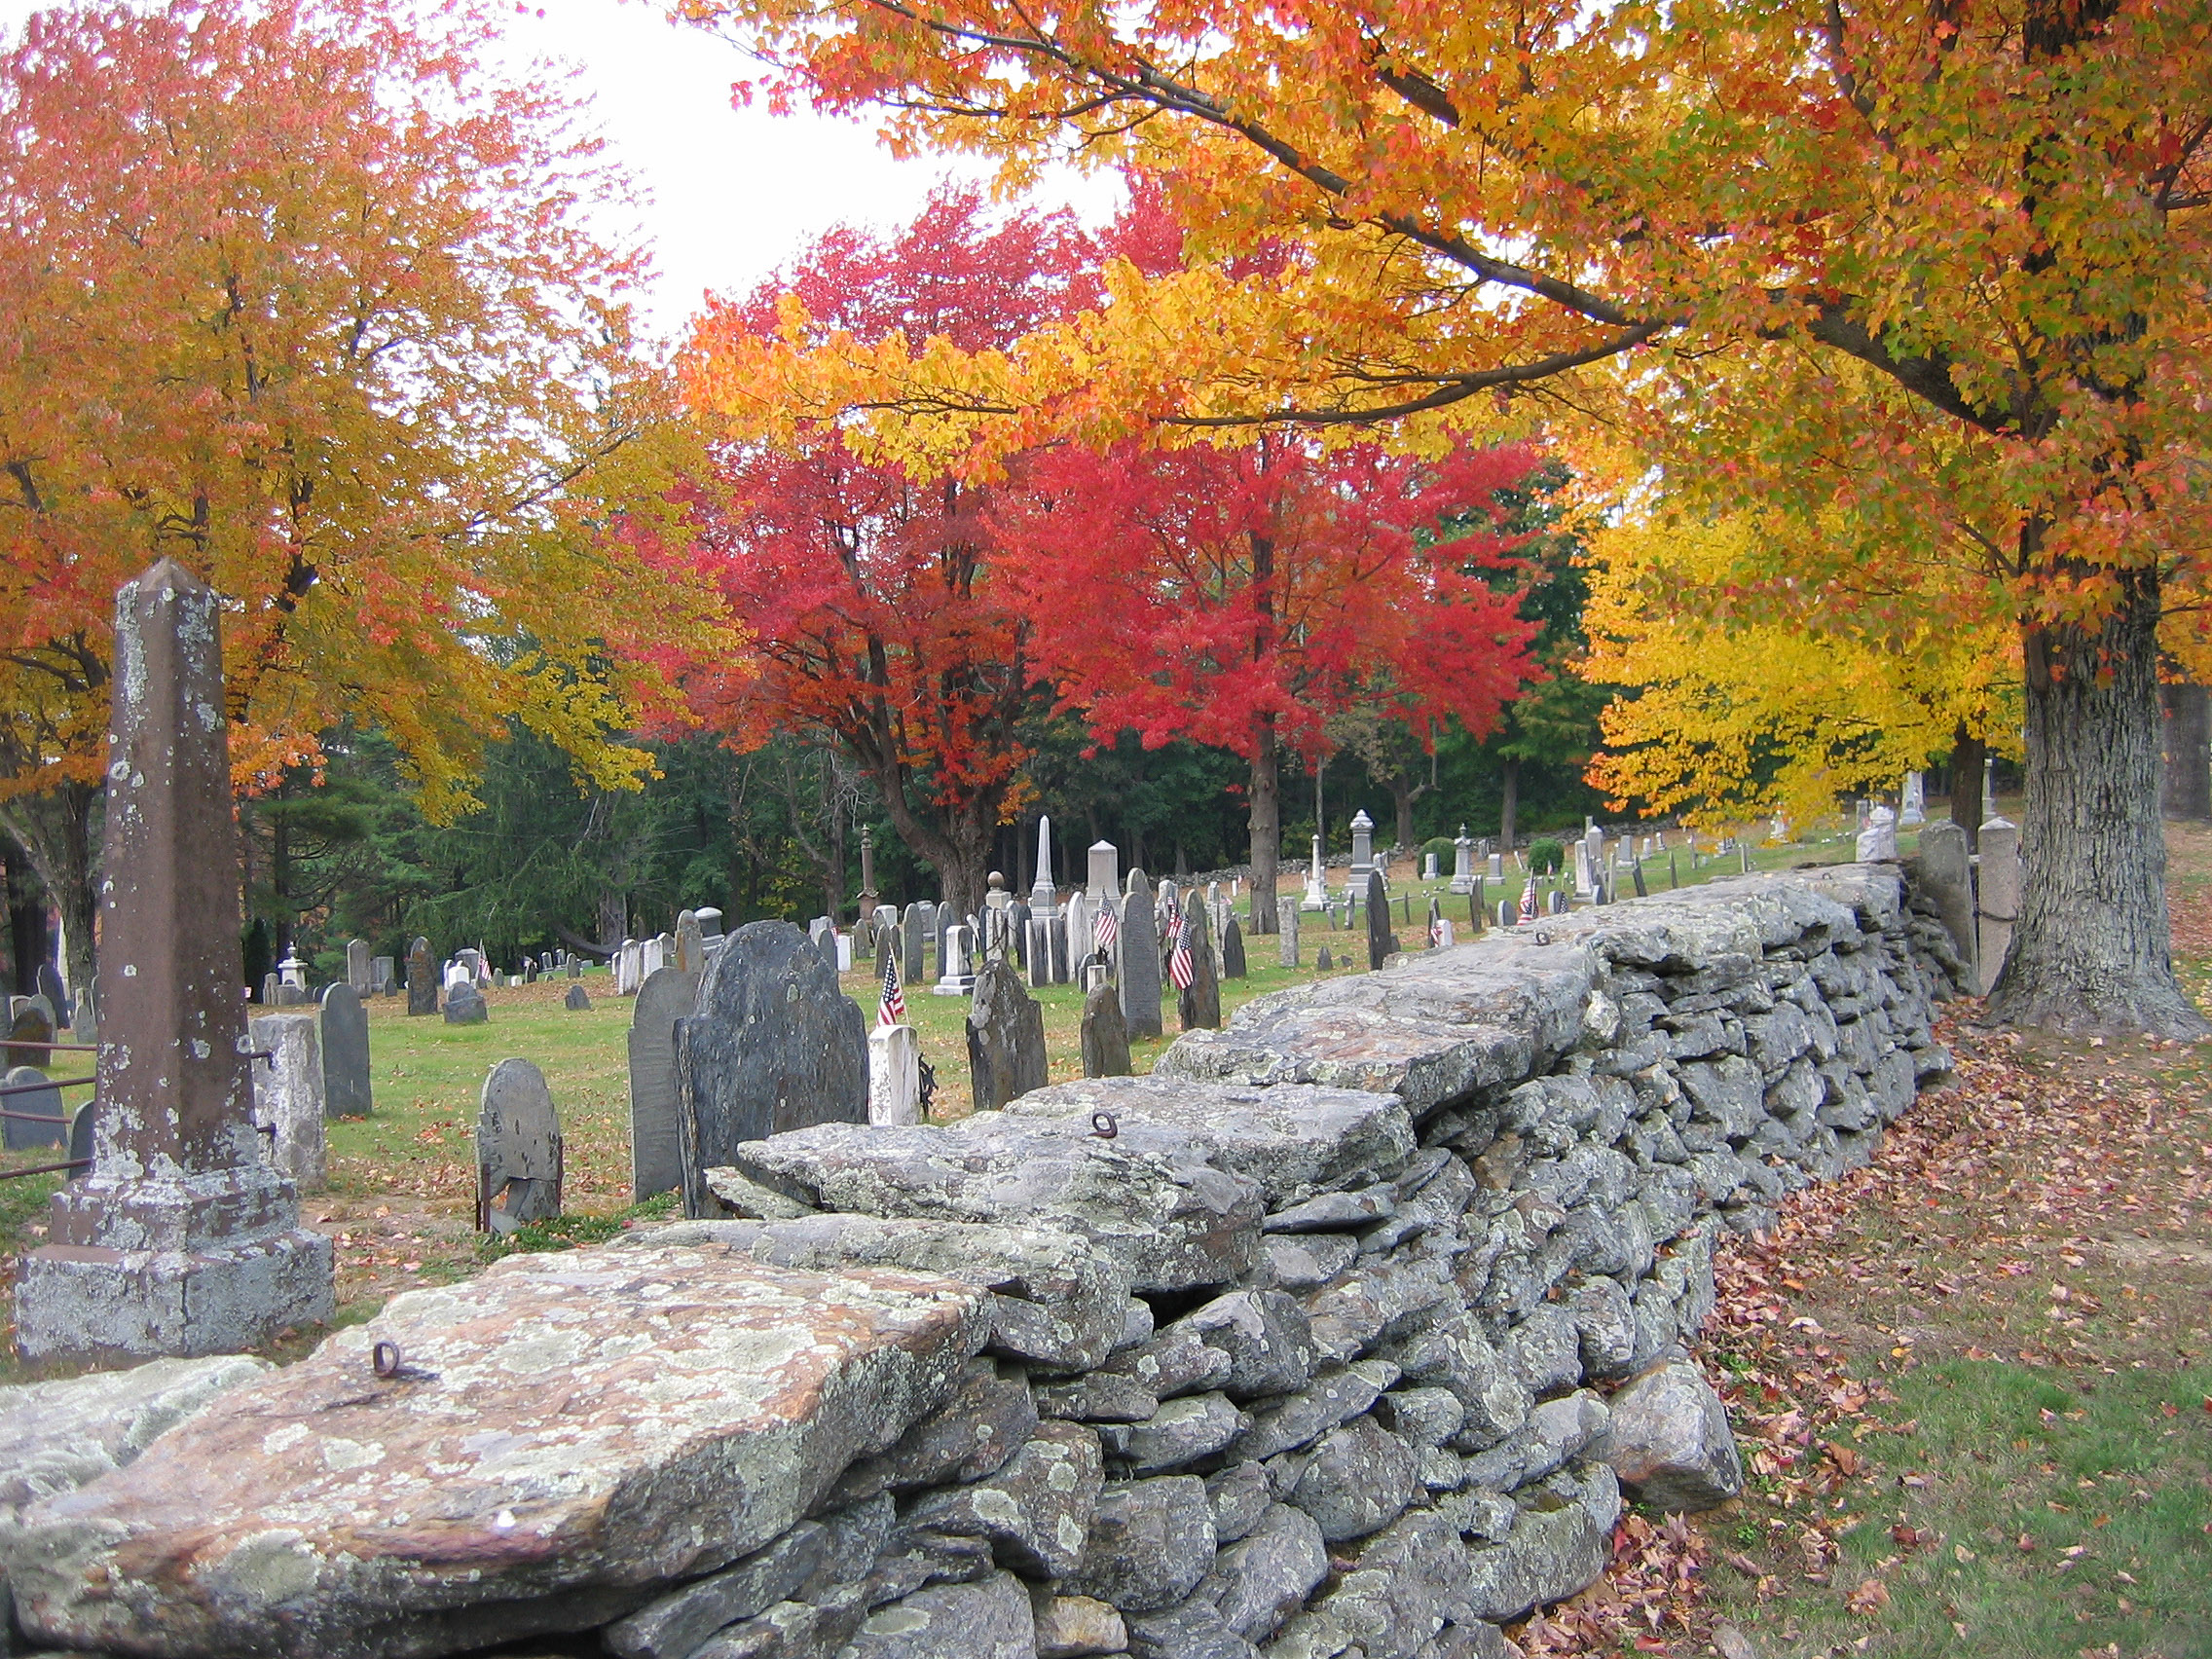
{"x":86,"y":1304}
{"x":957,"y":985}
{"x":1462,"y":884}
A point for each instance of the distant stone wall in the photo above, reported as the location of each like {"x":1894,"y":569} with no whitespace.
{"x":1336,"y":1335}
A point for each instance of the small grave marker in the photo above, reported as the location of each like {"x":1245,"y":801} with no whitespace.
{"x":518,"y":1150}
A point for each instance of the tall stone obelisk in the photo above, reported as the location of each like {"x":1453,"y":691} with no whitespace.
{"x":183,"y":1240}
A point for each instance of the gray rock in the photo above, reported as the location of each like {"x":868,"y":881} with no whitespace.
{"x":1290,"y":1141}
{"x":1169,"y":1220}
{"x":1104,"y":1396}
{"x":1105,"y":1036}
{"x":985,"y":1620}
{"x":1421,"y":1417}
{"x":1330,"y":1212}
{"x":1036,"y":1510}
{"x":1360,"y":1477}
{"x":1555,"y":1430}
{"x":1546,"y":1350}
{"x":979,"y":1426}
{"x":1240,"y":1495}
{"x":1550,"y":1554}
{"x":674,"y":1626}
{"x":774,"y":1046}
{"x":1307,"y":1261}
{"x":1192,"y":1630}
{"x":1670,"y":1443}
{"x":57,"y":1436}
{"x":1073,"y":1626}
{"x":1305,"y":1416}
{"x":1180,"y":1432}
{"x":1260,"y":1581}
{"x":1151,"y":1542}
{"x":1175,"y":1361}
{"x":1350,"y":1313}
{"x":1391,"y":1597}
{"x":1006,"y":1038}
{"x":1266,"y":1336}
{"x":1452,"y":1353}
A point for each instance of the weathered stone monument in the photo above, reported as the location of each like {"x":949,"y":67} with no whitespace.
{"x":518,"y":1150}
{"x":894,"y":1075}
{"x":1006,"y":1038}
{"x":345,"y":1039}
{"x":1043,"y":895}
{"x":35,"y":1117}
{"x":1878,"y":841}
{"x":1463,"y":863}
{"x":955,"y":952}
{"x":383,"y":978}
{"x":1316,"y":890}
{"x":1105,"y":1038}
{"x":1138,"y":954}
{"x":181,"y":1239}
{"x":1231,"y":950}
{"x":1197,"y":1004}
{"x":1382,"y":943}
{"x":1286,"y":930}
{"x":33,"y":1028}
{"x":1912,"y":807}
{"x":1105,"y":874}
{"x":288,"y":1102}
{"x":690,"y":951}
{"x":578,"y":1000}
{"x":1323,"y":963}
{"x":1998,"y":898}
{"x":465,"y":1005}
{"x":914,"y":929}
{"x":775,"y":1045}
{"x":421,"y":978}
{"x":656,"y":1153}
{"x":358,"y":966}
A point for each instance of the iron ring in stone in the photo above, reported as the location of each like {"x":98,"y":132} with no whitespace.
{"x":383,"y":1359}
{"x":1543,"y":937}
{"x":1104,"y":1125}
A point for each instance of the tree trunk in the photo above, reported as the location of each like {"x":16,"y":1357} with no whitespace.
{"x":27,"y":941}
{"x":55,"y":830}
{"x":2188,"y":779}
{"x":613,"y":919}
{"x":1509,"y":801}
{"x":1967,"y":754}
{"x":1267,"y":820}
{"x":2091,"y":953}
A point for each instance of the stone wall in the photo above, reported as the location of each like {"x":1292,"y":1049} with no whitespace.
{"x":1337,"y":1336}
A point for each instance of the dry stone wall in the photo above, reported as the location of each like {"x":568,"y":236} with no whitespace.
{"x":1335,"y":1337}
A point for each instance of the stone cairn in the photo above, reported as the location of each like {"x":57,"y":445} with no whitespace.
{"x":1215,"y":1362}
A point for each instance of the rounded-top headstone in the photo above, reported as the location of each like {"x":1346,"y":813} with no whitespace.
{"x":518,"y":1149}
{"x":33,"y":1027}
{"x":465,"y":1005}
{"x":345,"y":1089}
{"x":576,"y":999}
{"x":42,"y":1101}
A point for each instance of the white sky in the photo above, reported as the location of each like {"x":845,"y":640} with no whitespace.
{"x":734,"y":193}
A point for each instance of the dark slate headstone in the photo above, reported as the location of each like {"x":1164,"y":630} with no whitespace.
{"x":1635,"y":874}
{"x":913,"y":928}
{"x":1105,"y":1038}
{"x":1381,"y":943}
{"x":1199,"y":1005}
{"x":31,"y":1026}
{"x":34,"y":1118}
{"x":1138,"y":953}
{"x":49,"y":987}
{"x":1323,"y":962}
{"x":465,"y":1005}
{"x":82,"y":1123}
{"x":656,"y":1153}
{"x":576,"y":1001}
{"x":518,"y":1150}
{"x":1006,"y":1038}
{"x":1020,"y":915}
{"x":421,"y":978}
{"x":575,"y":967}
{"x":344,"y":1054}
{"x":775,"y":1045}
{"x":1231,"y":951}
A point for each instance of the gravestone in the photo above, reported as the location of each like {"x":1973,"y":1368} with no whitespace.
{"x":1443,"y":937}
{"x":383,"y":978}
{"x":1082,"y":929}
{"x":421,"y":980}
{"x":1382,"y":943}
{"x":1043,"y":897}
{"x":1362,"y":849}
{"x":1998,"y":906}
{"x":957,"y":954}
{"x":33,"y":1029}
{"x":1231,"y":950}
{"x":894,"y":1075}
{"x":465,"y":1005}
{"x":530,"y":970}
{"x":1006,"y":1038}
{"x":1286,"y":930}
{"x":822,"y":933}
{"x":1428,"y":867}
{"x":1018,"y":917}
{"x":518,"y":1150}
{"x":578,"y":1001}
{"x":1105,"y":1038}
{"x":691,"y":955}
{"x":1508,"y":914}
{"x":345,"y":1040}
{"x":1197,"y":1006}
{"x":57,"y":995}
{"x":288,"y":1101}
{"x":1478,"y":906}
{"x":1463,"y":863}
{"x":1316,"y":890}
{"x":710,"y":922}
{"x":1556,"y":902}
{"x":82,"y":1126}
{"x":1323,"y":963}
{"x":1105,"y":874}
{"x":656,"y":1153}
{"x":775,"y":1045}
{"x":357,"y":966}
{"x":177,"y":1160}
{"x":913,"y":928}
{"x":273,"y":989}
{"x":1139,"y":953}
{"x":36,"y":1118}
{"x":1913,"y":801}
{"x":1635,"y":876}
{"x":1497,"y":871}
{"x":1878,"y":840}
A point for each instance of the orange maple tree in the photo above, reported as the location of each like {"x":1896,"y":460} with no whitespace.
{"x":296,"y":298}
{"x":1957,"y":250}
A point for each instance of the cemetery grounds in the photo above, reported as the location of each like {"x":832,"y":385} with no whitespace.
{"x":1973,"y":1383}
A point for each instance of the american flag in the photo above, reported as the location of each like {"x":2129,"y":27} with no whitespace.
{"x":1109,"y":927}
{"x":1528,"y":899}
{"x":892,"y":1011}
{"x":1179,"y":966}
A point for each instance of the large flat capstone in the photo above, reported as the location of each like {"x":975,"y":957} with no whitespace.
{"x":565,"y":1434}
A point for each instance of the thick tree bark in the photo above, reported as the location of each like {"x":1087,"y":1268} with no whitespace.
{"x":2091,"y":953}
{"x":1509,"y":801}
{"x":1267,"y":820}
{"x":28,"y":943}
{"x":2186,"y":790}
{"x":1967,"y":754}
{"x":55,"y":830}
